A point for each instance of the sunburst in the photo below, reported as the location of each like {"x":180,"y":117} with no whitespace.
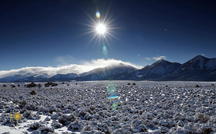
{"x":101,"y":28}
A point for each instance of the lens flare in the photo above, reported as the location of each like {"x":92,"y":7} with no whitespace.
{"x":113,"y":96}
{"x":104,"y":50}
{"x":98,"y":15}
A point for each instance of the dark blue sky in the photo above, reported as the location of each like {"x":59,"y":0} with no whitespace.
{"x":47,"y":33}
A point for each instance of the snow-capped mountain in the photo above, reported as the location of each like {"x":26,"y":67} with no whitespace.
{"x":68,"y":72}
{"x":199,"y":68}
{"x":116,"y":72}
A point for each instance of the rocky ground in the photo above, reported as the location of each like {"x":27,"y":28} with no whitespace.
{"x":109,"y":107}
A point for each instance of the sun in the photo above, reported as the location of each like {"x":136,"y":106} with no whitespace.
{"x":101,"y":29}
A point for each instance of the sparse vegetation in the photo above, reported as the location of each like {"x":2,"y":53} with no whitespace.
{"x":33,"y":92}
{"x":13,"y":86}
{"x":22,"y":104}
{"x":206,"y":130}
{"x":30,"y":85}
{"x":202,"y":118}
{"x":77,"y":107}
{"x":52,"y":84}
{"x":134,"y":84}
{"x":197,"y":86}
{"x":129,"y":84}
{"x":4,"y":85}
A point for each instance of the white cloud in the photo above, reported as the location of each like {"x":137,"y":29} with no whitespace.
{"x":72,"y":68}
{"x":155,"y":58}
{"x":159,"y":58}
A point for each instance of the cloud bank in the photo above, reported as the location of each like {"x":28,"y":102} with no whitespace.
{"x":72,"y":68}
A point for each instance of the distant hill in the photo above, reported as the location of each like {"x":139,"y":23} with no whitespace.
{"x":199,"y":68}
{"x":157,"y":70}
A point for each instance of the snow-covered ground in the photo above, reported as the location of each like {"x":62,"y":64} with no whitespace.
{"x":117,"y":107}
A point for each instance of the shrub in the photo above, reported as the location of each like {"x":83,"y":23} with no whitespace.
{"x":202,"y":117}
{"x":197,"y":85}
{"x":134,"y":84}
{"x":30,"y":85}
{"x":56,"y":124}
{"x":128,"y":84}
{"x":22,"y":104}
{"x":33,"y":92}
{"x":46,"y":130}
{"x":206,"y":130}
{"x":13,"y":86}
{"x":52,"y":84}
{"x":4,"y":85}
{"x":34,"y":126}
{"x":66,"y":119}
{"x":75,"y":126}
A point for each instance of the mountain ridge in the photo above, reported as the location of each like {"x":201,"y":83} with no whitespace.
{"x":199,"y":68}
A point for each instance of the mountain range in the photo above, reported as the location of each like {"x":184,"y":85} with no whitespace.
{"x":199,"y":68}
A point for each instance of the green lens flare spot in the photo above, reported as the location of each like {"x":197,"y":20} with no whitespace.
{"x":104,"y":50}
{"x":111,"y":88}
{"x":114,"y":106}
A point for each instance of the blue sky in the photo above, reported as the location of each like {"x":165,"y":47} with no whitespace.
{"x":52,"y":33}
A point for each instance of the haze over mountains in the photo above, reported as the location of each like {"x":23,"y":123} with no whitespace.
{"x":199,"y":68}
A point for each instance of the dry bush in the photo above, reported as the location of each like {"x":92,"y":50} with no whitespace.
{"x":202,"y":117}
{"x":197,"y":85}
{"x":33,"y":92}
{"x":52,"y":84}
{"x":30,"y":85}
